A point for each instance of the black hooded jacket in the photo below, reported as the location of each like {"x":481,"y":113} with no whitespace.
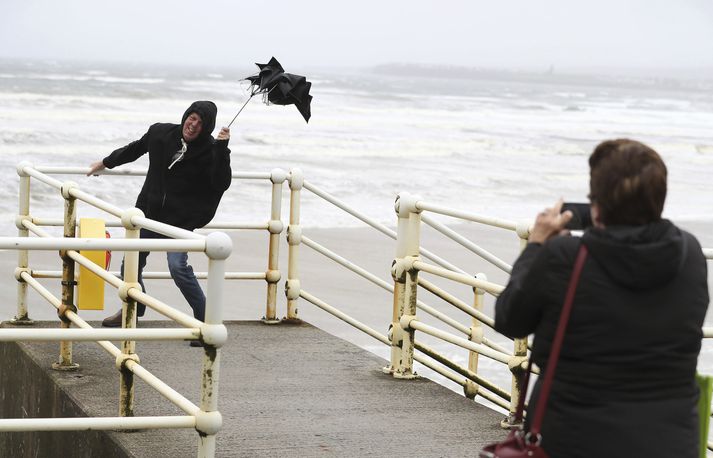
{"x":186,"y":195}
{"x":627,"y":366}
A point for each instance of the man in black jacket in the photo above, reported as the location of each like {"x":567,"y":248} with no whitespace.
{"x":188,"y":173}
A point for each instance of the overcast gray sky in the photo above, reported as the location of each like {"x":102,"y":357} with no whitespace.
{"x":517,"y":33}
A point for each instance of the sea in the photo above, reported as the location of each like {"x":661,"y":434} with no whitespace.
{"x":504,"y":144}
{"x":496,"y":143}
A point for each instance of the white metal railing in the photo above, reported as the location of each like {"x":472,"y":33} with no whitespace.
{"x":369,"y":221}
{"x":466,"y":377}
{"x":404,"y":287}
{"x":217,"y":246}
{"x":409,"y":209}
{"x":273,"y":226}
{"x":406,"y":268}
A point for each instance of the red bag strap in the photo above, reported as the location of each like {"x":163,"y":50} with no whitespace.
{"x":557,"y":343}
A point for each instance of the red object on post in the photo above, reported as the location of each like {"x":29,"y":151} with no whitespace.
{"x":108,"y":253}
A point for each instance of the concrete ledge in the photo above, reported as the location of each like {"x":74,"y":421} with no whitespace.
{"x":29,"y":390}
{"x":284,"y":391}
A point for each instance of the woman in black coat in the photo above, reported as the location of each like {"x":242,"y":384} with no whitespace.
{"x":624,"y":385}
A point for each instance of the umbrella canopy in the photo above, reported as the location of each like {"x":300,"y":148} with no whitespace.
{"x":267,"y":77}
{"x":282,"y":88}
{"x":292,"y":89}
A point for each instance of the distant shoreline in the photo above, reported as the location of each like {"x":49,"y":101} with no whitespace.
{"x":697,"y":80}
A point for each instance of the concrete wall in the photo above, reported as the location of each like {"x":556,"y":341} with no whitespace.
{"x":28,"y":391}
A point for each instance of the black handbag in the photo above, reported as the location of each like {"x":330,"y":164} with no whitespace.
{"x":518,"y":443}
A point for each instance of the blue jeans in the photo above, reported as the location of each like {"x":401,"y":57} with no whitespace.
{"x":182,"y":274}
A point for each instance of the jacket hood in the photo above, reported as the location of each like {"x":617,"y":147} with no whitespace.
{"x":638,"y":257}
{"x":208,"y":112}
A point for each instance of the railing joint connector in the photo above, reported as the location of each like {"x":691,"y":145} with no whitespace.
{"x":123,"y":358}
{"x":272,"y":275}
{"x":476,"y":334}
{"x":517,"y":364}
{"x":275,"y":226}
{"x":123,"y":290}
{"x":398,"y":273}
{"x":208,"y":423}
{"x":278,"y":176}
{"x":406,"y":203}
{"x":20,"y":219}
{"x":294,"y":234}
{"x":401,"y":266}
{"x":21,"y":168}
{"x":405,"y":321}
{"x":522,"y":229}
{"x":479,"y":291}
{"x":470,"y":389}
{"x":63,"y":309}
{"x":292,"y":289}
{"x":296,"y":179}
{"x":395,"y":334}
{"x":127,"y":216}
{"x":218,"y":246}
{"x":66,"y":189}
{"x":214,"y":335}
{"x":19,"y":271}
{"x":409,"y":264}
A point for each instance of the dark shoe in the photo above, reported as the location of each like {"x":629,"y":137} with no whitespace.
{"x":196,"y":343}
{"x":113,"y":321}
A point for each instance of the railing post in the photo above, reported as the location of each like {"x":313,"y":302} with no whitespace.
{"x":22,"y":316}
{"x":476,"y":335}
{"x":70,"y":230}
{"x":399,"y":276}
{"x":128,"y":307}
{"x":519,"y":350}
{"x":294,"y":238}
{"x":214,"y":335}
{"x":406,"y":206}
{"x":275,"y":227}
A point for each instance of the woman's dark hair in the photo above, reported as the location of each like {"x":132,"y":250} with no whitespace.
{"x":627,"y":181}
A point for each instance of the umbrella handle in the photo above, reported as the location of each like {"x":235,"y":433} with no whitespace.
{"x":241,"y":109}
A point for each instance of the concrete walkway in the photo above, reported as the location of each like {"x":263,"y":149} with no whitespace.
{"x":285,"y":390}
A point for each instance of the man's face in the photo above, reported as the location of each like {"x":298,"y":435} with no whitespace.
{"x":192,"y":127}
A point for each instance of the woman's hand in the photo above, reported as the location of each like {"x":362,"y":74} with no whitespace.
{"x":550,"y":223}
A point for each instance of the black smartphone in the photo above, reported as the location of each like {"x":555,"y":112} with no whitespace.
{"x":581,"y":215}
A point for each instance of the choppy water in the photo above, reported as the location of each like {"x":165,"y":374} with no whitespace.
{"x":503,"y":146}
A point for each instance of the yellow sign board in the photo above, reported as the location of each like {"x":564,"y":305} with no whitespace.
{"x":90,"y":288}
